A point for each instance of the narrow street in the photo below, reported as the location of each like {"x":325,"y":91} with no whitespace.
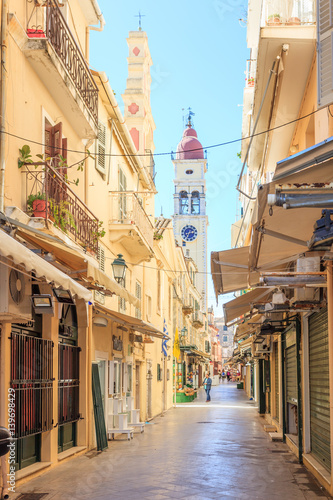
{"x":196,"y":451}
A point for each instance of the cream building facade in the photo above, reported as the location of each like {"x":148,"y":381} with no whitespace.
{"x":75,"y":194}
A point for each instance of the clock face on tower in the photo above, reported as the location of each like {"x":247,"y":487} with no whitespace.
{"x":189,"y":233}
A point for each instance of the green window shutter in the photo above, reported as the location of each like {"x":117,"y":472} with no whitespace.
{"x":101,"y":436}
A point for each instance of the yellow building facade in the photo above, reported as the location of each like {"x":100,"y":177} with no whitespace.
{"x":86,"y":353}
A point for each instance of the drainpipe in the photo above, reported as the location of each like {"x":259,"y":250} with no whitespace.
{"x":271,"y":73}
{"x":4,"y":6}
{"x":95,"y":28}
{"x":301,"y":200}
{"x":110,"y":147}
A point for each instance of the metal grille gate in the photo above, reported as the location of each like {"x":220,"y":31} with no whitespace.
{"x":32,"y":380}
{"x":276,"y":380}
{"x":319,"y":388}
{"x":291,"y":375}
{"x":69,"y":384}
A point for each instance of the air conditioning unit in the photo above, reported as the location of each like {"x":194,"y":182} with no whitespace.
{"x":15,"y":296}
{"x":264,"y":347}
{"x":307,"y":295}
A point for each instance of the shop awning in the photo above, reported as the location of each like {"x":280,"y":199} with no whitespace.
{"x":84,"y":264}
{"x":282,"y":236}
{"x":132,"y":323}
{"x":201,"y":354}
{"x":245,"y":329}
{"x":95,"y":275}
{"x":230,"y":270}
{"x":21,"y":256}
{"x":244,"y":303}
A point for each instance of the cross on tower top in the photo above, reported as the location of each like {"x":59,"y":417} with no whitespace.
{"x":190,"y":114}
{"x":140,"y":16}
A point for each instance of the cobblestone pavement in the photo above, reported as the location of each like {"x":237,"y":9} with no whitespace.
{"x":196,"y":451}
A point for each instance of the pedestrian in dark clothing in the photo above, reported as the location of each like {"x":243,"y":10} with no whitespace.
{"x":207,"y":386}
{"x":228,"y":376}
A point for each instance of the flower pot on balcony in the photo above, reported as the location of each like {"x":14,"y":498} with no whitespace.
{"x":274,"y":20}
{"x":35,"y":33}
{"x":39,"y":208}
{"x":294,"y":21}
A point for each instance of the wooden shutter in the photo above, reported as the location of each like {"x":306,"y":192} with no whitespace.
{"x":122,"y":182}
{"x":101,"y":149}
{"x":101,"y":437}
{"x":325,"y":52}
{"x":319,"y":388}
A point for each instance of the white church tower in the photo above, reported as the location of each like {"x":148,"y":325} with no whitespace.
{"x":190,"y":220}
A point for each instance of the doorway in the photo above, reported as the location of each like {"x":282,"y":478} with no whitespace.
{"x":137,"y":385}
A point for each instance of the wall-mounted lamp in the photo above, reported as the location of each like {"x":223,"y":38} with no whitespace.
{"x":119,"y":269}
{"x":42,"y":303}
{"x":100,"y":321}
{"x":63,"y":296}
{"x":183,"y":332}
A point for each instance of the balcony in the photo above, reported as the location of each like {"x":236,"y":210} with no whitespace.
{"x":250,"y":73}
{"x":149,"y":163}
{"x":187,"y":305}
{"x":55,"y":202}
{"x":197,"y":319}
{"x":291,"y":33}
{"x":130,"y":225}
{"x":278,"y":13}
{"x":57,"y":59}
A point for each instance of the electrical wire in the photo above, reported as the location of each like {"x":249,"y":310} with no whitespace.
{"x":226,"y":143}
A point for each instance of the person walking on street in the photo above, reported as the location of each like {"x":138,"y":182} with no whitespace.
{"x":228,"y":376}
{"x":207,"y":386}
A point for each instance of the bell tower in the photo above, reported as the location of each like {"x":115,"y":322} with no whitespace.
{"x":189,"y":219}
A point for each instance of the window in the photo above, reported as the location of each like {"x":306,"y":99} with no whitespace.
{"x":159,"y":372}
{"x":189,"y":172}
{"x":138,"y":291}
{"x":116,"y":377}
{"x":225,"y":338}
{"x":55,"y":146}
{"x":159,"y":291}
{"x":324,"y":59}
{"x":101,"y":258}
{"x":148,"y":307}
{"x":195,"y":203}
{"x":122,"y":185}
{"x":121,"y":301}
{"x":183,"y":202}
{"x":101,"y":149}
{"x":169,"y":302}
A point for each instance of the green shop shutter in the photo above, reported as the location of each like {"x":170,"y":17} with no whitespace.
{"x":276,"y":380}
{"x":319,"y":388}
{"x":291,"y":375}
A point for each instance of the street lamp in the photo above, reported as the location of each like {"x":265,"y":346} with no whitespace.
{"x":183,"y":333}
{"x":119,"y":269}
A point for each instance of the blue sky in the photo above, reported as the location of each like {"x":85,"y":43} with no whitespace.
{"x":199,"y":54}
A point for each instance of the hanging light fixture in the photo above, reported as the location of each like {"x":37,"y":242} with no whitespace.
{"x":119,"y":269}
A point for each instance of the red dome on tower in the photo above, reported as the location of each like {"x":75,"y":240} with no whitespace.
{"x":189,"y":147}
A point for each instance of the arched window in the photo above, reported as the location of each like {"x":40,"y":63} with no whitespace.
{"x":195,"y":203}
{"x":183,"y":202}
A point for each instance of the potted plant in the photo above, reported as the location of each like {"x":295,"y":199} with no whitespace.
{"x":36,"y":205}
{"x":250,"y":81}
{"x":274,"y":19}
{"x":294,"y":21}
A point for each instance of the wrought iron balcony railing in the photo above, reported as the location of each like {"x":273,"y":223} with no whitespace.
{"x":197,"y":319}
{"x":45,"y":20}
{"x":50,"y":197}
{"x":127,"y":208}
{"x":150,"y":163}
